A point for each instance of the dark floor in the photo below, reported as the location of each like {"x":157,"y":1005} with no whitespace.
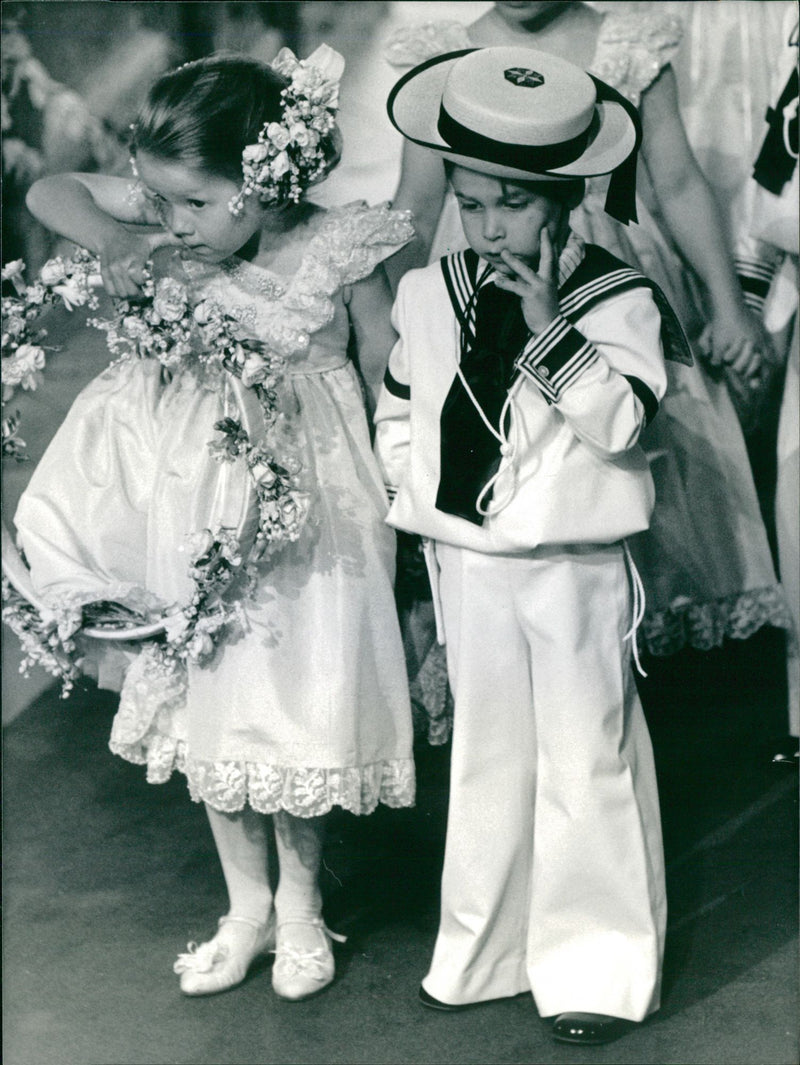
{"x":106,"y":877}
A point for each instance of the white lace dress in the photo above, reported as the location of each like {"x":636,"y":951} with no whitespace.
{"x":705,"y":560}
{"x":306,"y":706}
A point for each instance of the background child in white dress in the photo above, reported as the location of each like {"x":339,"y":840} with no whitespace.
{"x":304,"y":705}
{"x":705,"y":560}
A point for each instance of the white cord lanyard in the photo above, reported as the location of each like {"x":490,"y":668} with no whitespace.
{"x":638,"y":607}
{"x":789,"y":114}
{"x":508,"y":448}
{"x":790,"y":110}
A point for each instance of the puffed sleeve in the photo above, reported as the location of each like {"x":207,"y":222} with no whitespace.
{"x":361,"y":236}
{"x":411,"y":45}
{"x":633,"y":48}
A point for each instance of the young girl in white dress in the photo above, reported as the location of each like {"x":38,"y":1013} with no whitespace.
{"x":305,"y":705}
{"x":705,"y":560}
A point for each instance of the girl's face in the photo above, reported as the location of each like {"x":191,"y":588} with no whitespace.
{"x":521,"y":12}
{"x":498,"y":215}
{"x":193,"y":205}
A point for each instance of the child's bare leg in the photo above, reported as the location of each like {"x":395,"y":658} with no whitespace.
{"x":247,"y":930}
{"x":304,"y":961}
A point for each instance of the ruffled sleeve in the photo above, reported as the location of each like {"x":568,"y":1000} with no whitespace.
{"x":411,"y":45}
{"x":633,"y":48}
{"x":358,"y":237}
{"x":348,"y":246}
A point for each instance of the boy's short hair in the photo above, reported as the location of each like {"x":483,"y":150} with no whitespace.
{"x":569,"y":192}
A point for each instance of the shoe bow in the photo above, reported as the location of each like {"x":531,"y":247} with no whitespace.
{"x":200,"y":959}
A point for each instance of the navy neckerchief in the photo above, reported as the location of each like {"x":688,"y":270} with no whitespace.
{"x":776,"y":162}
{"x":493,"y":332}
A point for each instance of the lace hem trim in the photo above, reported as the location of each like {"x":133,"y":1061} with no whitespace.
{"x":300,"y":790}
{"x":705,"y":626}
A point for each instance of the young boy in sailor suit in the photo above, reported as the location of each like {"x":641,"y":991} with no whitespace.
{"x":507,"y":431}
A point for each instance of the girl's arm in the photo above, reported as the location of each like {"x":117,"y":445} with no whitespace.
{"x":99,"y":213}
{"x":422,"y":191}
{"x":688,"y":205}
{"x":370,"y":308}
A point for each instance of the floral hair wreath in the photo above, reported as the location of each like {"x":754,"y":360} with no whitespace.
{"x":290,"y":155}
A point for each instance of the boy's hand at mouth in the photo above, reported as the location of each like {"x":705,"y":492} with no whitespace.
{"x":537,"y":289}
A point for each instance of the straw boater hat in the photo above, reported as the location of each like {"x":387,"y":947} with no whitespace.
{"x":519,"y":113}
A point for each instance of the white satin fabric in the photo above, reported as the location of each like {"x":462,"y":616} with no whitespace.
{"x":306,"y":706}
{"x":553,"y":876}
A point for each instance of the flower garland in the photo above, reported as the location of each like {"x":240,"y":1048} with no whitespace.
{"x":184,"y":335}
{"x":68,"y":282}
{"x":47,"y":639}
{"x":292,"y":154}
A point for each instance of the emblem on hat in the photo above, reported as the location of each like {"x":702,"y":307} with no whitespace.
{"x":524,"y":77}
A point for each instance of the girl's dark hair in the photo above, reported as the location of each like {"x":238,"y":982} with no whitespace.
{"x":205,"y":113}
{"x":570,"y":191}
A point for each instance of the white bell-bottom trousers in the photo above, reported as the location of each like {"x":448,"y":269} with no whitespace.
{"x":553,"y":876}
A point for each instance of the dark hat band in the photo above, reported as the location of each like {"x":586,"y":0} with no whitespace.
{"x":621,"y":195}
{"x":465,"y":141}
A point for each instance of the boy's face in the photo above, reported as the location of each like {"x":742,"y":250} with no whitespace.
{"x":498,"y":215}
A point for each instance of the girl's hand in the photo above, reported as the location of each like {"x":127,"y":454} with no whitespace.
{"x":740,"y":343}
{"x":124,"y":257}
{"x":537,"y":289}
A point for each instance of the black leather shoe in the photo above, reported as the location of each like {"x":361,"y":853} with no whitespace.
{"x":434,"y":1003}
{"x":589,"y":1029}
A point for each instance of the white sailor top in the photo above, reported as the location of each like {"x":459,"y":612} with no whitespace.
{"x":569,"y":468}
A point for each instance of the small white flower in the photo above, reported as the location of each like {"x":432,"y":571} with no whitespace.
{"x":200,"y":543}
{"x":206,"y":311}
{"x":262,"y":475}
{"x":304,"y":79}
{"x":71,"y":293}
{"x":230,"y":550}
{"x":175,"y":626}
{"x":254,"y":371}
{"x":52,"y":272}
{"x":254,"y":153}
{"x":280,"y":165}
{"x":299,"y":134}
{"x":35,"y":294}
{"x":15,"y":326}
{"x":12,"y":270}
{"x":134,"y":327}
{"x":278,"y":135}
{"x":170,"y":300}
{"x":200,"y":646}
{"x":28,"y":358}
{"x":322,"y":122}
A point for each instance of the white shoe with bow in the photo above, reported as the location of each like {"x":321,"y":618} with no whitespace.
{"x":300,"y":971}
{"x":223,"y":961}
